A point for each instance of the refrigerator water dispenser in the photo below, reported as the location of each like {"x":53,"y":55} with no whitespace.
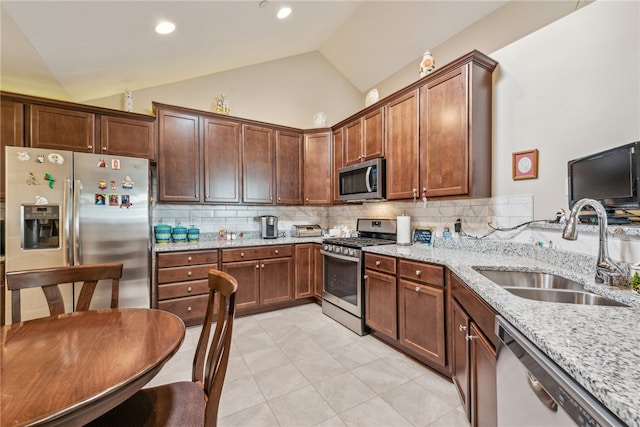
{"x":40,"y":226}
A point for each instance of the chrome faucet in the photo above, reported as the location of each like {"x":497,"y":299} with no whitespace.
{"x":607,"y":270}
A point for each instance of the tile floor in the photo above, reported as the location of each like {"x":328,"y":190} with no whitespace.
{"x":297,"y":367}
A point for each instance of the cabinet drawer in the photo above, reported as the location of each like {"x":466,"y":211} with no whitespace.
{"x":261,"y":252}
{"x":380,"y":263}
{"x":177,"y":259}
{"x":190,"y":309}
{"x":420,"y":272}
{"x":183,"y":289}
{"x":178,"y":274}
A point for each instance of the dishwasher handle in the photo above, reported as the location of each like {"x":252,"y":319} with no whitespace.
{"x":544,"y":397}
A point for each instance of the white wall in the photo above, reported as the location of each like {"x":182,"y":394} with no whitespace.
{"x":287,"y":92}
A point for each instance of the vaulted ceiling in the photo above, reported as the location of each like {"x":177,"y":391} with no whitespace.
{"x":91,"y":49}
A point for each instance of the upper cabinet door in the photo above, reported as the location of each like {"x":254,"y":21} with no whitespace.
{"x":257,"y":154}
{"x":317,"y":171}
{"x":11,"y":131}
{"x":352,"y":142}
{"x":178,"y":157}
{"x":373,"y":135}
{"x":337,"y":149}
{"x":120,"y":136}
{"x":444,"y":151}
{"x":289,"y":170}
{"x":62,"y":129}
{"x":221,"y":161}
{"x":402,"y":146}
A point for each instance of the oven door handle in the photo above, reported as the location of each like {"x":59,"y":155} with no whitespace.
{"x":342,"y":257}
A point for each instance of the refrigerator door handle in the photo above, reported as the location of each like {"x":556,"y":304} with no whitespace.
{"x":77,"y":259}
{"x":67,"y":251}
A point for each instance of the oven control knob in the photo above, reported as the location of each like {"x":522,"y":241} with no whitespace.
{"x":352,"y":252}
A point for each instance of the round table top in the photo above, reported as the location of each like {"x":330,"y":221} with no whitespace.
{"x":74,"y":367}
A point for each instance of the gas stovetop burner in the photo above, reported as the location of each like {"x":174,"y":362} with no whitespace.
{"x":357,"y":242}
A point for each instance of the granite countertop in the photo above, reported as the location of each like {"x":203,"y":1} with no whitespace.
{"x":229,"y":244}
{"x":599,"y":346}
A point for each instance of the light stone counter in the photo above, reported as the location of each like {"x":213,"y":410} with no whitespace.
{"x":599,"y":346}
{"x":230,"y":244}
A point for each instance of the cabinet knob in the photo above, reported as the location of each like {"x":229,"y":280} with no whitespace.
{"x":189,"y":259}
{"x":276,"y":251}
{"x":418,"y":272}
{"x":462,"y":327}
{"x":241,"y":254}
{"x":307,"y":199}
{"x":189,"y":308}
{"x":189,"y":289}
{"x":262,"y":265}
{"x":104,"y":148}
{"x":378,"y":263}
{"x":188,"y":273}
{"x":257,"y":265}
{"x":417,"y":288}
{"x":271,"y":198}
{"x":470,"y":337}
{"x":90,"y":147}
{"x":279,"y":199}
{"x":365,"y":277}
{"x":197,"y":196}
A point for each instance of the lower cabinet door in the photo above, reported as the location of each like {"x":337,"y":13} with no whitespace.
{"x":380,"y":303}
{"x":247,"y":273}
{"x":190,"y":309}
{"x":421,"y":319}
{"x":483,"y":380}
{"x":276,"y":280}
{"x":460,"y":354}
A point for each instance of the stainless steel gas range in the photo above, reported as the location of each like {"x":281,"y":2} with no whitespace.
{"x":343,"y":259}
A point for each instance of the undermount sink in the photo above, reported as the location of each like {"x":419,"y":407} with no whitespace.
{"x":546,"y":287}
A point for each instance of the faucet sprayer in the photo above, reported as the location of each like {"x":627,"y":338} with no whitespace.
{"x":607,"y":270}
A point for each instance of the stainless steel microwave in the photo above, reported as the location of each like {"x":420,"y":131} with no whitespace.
{"x":362,"y":181}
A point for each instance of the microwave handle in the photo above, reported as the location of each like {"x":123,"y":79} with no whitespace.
{"x":368,"y":179}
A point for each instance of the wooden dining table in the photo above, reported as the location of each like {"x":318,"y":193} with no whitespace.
{"x":72,"y":368}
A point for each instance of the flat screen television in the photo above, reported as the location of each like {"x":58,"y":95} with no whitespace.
{"x":610,"y":177}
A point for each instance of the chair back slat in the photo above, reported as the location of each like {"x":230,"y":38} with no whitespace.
{"x":49,"y":279}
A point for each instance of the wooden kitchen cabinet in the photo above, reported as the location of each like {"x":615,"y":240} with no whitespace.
{"x":182,"y":283}
{"x":11,"y":132}
{"x":318,"y":271}
{"x":473,"y":348}
{"x":381,"y":295}
{"x":402,"y":145}
{"x":337,"y":153}
{"x":61,"y":129}
{"x":289,"y":167}
{"x":122,"y":136}
{"x":222,"y":160}
{"x":421,"y":307}
{"x":455,"y":131}
{"x":304,"y":270}
{"x":264,"y":274}
{"x":364,"y":138}
{"x":257,"y":164}
{"x":179,"y":158}
{"x":317,"y":168}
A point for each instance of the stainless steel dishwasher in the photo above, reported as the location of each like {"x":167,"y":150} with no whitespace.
{"x":533,"y":391}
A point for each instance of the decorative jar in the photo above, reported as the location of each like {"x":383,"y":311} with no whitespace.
{"x":193,"y":234}
{"x":179,"y":234}
{"x":162,"y":232}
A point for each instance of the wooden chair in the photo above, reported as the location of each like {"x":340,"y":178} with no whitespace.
{"x":49,"y":278}
{"x":188,"y":403}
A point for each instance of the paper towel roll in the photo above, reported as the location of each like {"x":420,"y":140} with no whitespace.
{"x":403,"y":230}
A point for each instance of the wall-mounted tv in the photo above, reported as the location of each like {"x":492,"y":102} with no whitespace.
{"x":610,"y":177}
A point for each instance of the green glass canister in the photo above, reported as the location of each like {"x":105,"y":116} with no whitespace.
{"x":162,"y":232}
{"x":193,"y":234}
{"x":179,"y":234}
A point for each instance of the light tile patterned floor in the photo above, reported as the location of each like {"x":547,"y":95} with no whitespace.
{"x":297,"y":367}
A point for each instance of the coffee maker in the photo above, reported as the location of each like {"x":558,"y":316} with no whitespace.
{"x":269,"y":227}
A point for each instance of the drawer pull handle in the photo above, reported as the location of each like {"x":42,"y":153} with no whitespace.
{"x":276,"y":251}
{"x":378,"y":263}
{"x":462,"y":328}
{"x":189,"y":259}
{"x":189,"y":273}
{"x":417,"y":289}
{"x":418,"y":272}
{"x":189,"y":289}
{"x":189,"y":308}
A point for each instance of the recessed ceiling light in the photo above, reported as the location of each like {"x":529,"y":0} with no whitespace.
{"x":165,"y":27}
{"x":284,"y":12}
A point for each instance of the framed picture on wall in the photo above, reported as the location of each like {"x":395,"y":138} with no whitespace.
{"x":524,"y":164}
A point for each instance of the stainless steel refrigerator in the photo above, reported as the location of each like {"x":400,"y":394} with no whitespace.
{"x":65,"y":208}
